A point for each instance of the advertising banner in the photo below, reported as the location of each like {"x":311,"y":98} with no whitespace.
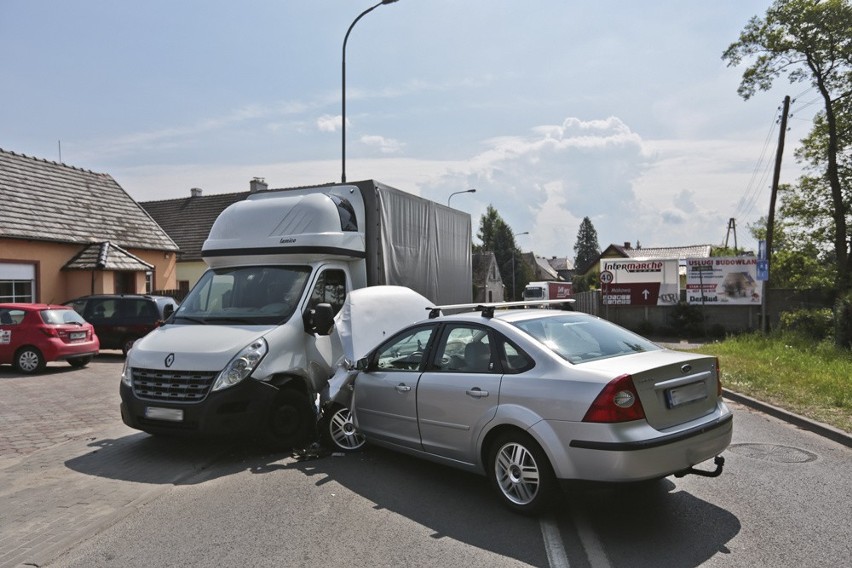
{"x":629,"y":282}
{"x":723,"y":281}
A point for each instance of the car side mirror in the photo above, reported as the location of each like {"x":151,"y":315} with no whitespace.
{"x":168,"y":310}
{"x":320,"y":319}
{"x":362,"y":364}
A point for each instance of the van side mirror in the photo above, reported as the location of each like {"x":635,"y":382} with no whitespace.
{"x":320,"y":319}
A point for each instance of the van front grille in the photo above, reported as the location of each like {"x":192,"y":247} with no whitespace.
{"x":172,"y":386}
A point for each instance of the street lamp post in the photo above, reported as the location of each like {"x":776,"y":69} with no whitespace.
{"x":458,"y":192}
{"x":343,"y":83}
{"x":513,"y":263}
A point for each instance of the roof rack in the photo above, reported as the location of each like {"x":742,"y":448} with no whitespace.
{"x":487,"y":309}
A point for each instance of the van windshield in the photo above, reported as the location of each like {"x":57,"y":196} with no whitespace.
{"x":252,"y":295}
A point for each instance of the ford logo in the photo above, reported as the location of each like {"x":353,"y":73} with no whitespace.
{"x":170,"y":359}
{"x":686,"y":368}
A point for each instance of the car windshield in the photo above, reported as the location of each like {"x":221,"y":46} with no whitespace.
{"x":253,"y":295}
{"x":578,"y":339}
{"x":59,"y":317}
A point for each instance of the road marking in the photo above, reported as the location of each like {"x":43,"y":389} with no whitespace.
{"x":594,"y":551}
{"x":556,"y":556}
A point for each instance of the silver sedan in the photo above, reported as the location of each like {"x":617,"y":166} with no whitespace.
{"x":532,"y":398}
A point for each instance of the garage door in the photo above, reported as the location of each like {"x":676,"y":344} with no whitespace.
{"x":17,"y":282}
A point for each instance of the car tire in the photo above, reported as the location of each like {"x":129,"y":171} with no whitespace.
{"x":79,"y":362}
{"x":29,"y":360}
{"x":292,"y":421}
{"x":521,"y":474}
{"x":338,"y":432}
{"x":127,"y":344}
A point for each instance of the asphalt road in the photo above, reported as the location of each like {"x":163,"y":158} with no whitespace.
{"x":77,"y":488}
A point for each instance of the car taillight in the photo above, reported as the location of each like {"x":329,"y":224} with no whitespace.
{"x":50,"y":331}
{"x":718,"y":379}
{"x":617,"y":402}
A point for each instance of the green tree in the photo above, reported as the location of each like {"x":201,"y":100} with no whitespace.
{"x":810,"y":41}
{"x":798,"y":262}
{"x":586,"y":248}
{"x":498,"y":237}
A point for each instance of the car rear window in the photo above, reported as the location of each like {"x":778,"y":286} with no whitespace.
{"x":59,"y":317}
{"x":584,"y":339}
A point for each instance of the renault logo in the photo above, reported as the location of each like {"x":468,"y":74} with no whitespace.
{"x":170,"y":358}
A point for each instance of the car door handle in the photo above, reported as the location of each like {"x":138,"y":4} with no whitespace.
{"x":476,"y":392}
{"x":402,"y":388}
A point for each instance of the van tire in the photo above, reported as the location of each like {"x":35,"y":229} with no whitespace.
{"x":292,"y":421}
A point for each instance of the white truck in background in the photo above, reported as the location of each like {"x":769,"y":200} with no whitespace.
{"x":248,"y":349}
{"x":548,"y":291}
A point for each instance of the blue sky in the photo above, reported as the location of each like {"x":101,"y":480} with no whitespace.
{"x":553,"y":110}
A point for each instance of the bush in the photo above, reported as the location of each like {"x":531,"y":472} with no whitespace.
{"x":817,"y":324}
{"x":687,"y":320}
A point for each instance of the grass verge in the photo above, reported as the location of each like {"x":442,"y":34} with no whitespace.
{"x":810,"y":379}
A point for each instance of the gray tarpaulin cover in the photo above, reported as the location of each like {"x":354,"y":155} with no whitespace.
{"x":426,"y":246}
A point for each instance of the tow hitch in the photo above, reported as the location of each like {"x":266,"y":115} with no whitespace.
{"x":718,"y":460}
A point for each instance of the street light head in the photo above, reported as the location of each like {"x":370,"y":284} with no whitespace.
{"x":389,"y":1}
{"x":471,"y":191}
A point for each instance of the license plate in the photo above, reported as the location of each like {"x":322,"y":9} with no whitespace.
{"x":170,"y":414}
{"x":78,"y":335}
{"x":686,"y":394}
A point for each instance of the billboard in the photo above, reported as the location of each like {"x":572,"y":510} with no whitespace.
{"x":632,"y":282}
{"x":731,"y":281}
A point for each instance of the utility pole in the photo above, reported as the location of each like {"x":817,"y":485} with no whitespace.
{"x":732,"y":226}
{"x":770,"y":221}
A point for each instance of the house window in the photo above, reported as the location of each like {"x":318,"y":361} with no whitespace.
{"x":20,"y":291}
{"x":17,"y":282}
{"x":149,"y":282}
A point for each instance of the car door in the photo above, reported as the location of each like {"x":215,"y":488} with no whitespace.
{"x":458,"y":393}
{"x":384,"y":400}
{"x":7,"y":336}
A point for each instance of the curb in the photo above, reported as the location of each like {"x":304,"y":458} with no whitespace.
{"x":830,"y":432}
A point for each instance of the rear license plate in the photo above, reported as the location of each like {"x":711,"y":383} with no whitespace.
{"x":78,"y":335}
{"x":170,"y":414}
{"x":688,"y":393}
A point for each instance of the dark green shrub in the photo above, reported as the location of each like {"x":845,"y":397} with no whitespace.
{"x":816,"y":323}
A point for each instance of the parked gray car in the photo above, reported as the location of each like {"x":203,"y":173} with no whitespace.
{"x":532,"y":398}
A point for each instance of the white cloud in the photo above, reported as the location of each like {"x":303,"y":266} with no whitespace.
{"x":386,"y":145}
{"x":328,"y":123}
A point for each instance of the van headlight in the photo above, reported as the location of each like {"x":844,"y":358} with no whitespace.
{"x":242,"y":365}
{"x":127,"y":374}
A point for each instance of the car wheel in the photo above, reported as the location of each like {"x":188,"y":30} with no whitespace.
{"x":79,"y":362}
{"x":338,"y":430}
{"x":292,"y":421}
{"x":127,"y":344}
{"x":520,"y":472}
{"x":29,"y":360}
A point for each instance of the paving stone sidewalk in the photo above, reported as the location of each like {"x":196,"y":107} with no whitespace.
{"x":69,"y":467}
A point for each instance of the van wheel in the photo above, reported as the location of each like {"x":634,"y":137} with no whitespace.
{"x":292,"y":421}
{"x":29,"y":360}
{"x":338,"y":431}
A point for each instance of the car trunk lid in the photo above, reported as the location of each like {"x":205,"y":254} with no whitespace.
{"x":673,"y":387}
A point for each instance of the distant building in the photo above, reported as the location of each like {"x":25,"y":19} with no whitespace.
{"x":67,"y":232}
{"x":487,"y":281}
{"x":563,"y":266}
{"x":540,"y":268}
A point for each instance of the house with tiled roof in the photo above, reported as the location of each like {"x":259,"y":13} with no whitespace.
{"x":188,"y":220}
{"x":67,"y":232}
{"x":487,"y":281}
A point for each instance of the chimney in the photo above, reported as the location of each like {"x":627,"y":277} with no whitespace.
{"x":195,"y":192}
{"x":258,"y":184}
{"x":627,"y":244}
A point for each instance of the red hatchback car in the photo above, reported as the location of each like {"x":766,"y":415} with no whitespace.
{"x":33,"y":334}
